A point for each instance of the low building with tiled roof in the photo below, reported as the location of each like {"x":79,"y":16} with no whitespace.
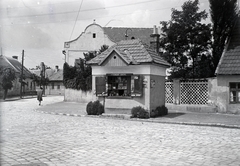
{"x":95,"y":36}
{"x":228,"y":74}
{"x":55,"y":85}
{"x":129,"y":74}
{"x":132,"y":52}
{"x":28,"y":86}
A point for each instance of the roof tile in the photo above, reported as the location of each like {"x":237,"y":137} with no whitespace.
{"x":229,"y":63}
{"x":138,"y":52}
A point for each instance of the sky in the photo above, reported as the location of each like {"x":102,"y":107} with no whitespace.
{"x":40,"y":27}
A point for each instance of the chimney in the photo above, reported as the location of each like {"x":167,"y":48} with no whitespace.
{"x":15,"y":57}
{"x":156,"y":35}
{"x":154,"y":29}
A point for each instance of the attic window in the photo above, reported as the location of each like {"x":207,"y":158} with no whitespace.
{"x":94,"y":35}
{"x":114,"y":57}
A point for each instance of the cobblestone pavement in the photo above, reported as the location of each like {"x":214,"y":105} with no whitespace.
{"x":33,"y":138}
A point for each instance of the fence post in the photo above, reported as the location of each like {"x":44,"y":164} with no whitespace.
{"x":176,"y":91}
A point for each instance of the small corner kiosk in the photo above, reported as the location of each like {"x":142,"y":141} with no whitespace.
{"x":129,"y":74}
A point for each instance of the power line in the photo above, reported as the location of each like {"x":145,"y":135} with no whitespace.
{"x":76,"y":19}
{"x":36,"y":6}
{"x":84,"y":10}
{"x":88,"y":18}
{"x":61,"y":21}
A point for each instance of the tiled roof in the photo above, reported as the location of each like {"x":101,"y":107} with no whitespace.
{"x":57,"y":76}
{"x":51,"y":74}
{"x":229,"y":63}
{"x":15,"y":65}
{"x":117,"y":34}
{"x":133,"y":52}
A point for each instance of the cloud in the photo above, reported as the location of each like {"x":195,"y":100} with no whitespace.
{"x":26,"y":36}
{"x":139,"y":18}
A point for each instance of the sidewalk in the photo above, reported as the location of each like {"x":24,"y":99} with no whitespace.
{"x":173,"y":117}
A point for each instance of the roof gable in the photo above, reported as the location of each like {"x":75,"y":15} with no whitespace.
{"x":229,"y":63}
{"x":114,"y":58}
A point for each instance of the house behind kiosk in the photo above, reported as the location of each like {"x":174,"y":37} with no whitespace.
{"x":129,"y":74}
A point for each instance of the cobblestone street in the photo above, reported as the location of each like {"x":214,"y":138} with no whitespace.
{"x":32,"y":138}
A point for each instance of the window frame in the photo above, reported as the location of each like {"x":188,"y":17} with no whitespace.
{"x":134,"y":86}
{"x":235,"y":89}
{"x":119,"y":86}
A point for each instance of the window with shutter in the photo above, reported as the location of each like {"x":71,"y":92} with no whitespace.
{"x":100,"y":86}
{"x":136,"y":85}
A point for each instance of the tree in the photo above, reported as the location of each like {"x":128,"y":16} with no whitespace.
{"x":7,"y":78}
{"x":40,"y":80}
{"x":185,"y":40}
{"x":80,"y":75}
{"x":223,"y":16}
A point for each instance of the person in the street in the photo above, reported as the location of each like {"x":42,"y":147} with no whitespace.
{"x":39,"y":95}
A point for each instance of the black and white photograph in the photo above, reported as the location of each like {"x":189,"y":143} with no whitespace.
{"x":120,"y":83}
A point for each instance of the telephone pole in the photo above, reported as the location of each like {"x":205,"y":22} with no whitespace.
{"x":21,"y":76}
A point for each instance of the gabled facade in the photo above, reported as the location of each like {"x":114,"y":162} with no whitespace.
{"x":28,"y":83}
{"x":228,"y":74}
{"x":95,"y":36}
{"x":129,"y":74}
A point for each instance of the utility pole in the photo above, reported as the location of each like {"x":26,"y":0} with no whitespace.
{"x":21,"y":76}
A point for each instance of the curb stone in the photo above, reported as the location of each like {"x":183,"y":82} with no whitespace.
{"x":128,"y":117}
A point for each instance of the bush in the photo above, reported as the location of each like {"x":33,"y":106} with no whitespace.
{"x":94,"y":108}
{"x":159,"y":111}
{"x":139,"y":112}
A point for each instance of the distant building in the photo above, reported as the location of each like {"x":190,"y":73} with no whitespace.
{"x":95,"y":36}
{"x":55,"y":85}
{"x":28,"y":83}
{"x":228,"y":74}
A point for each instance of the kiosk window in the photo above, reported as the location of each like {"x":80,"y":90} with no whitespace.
{"x":127,"y":85}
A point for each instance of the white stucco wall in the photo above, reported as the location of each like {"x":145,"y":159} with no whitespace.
{"x":219,"y":94}
{"x":80,"y":96}
{"x":135,"y":69}
{"x":85,"y":43}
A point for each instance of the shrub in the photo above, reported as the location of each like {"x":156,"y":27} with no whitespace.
{"x":139,"y":112}
{"x":94,"y":108}
{"x":154,"y":113}
{"x":160,"y":111}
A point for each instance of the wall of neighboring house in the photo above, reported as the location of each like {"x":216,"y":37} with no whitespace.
{"x":90,"y":40}
{"x":28,"y":88}
{"x":220,"y":94}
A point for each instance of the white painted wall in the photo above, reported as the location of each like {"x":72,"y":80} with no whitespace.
{"x":85,"y":43}
{"x":135,"y":69}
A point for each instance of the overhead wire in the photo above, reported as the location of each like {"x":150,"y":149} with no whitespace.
{"x":84,"y":10}
{"x":76,"y":20}
{"x":61,"y":21}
